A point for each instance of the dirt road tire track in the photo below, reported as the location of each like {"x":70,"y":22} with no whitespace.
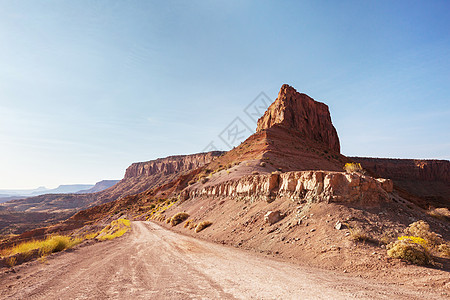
{"x":151,"y":262}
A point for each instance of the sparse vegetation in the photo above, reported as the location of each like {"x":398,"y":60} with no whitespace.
{"x":157,"y":212}
{"x":178,"y":218}
{"x":116,"y":229}
{"x":408,"y":250}
{"x":192,"y":225}
{"x":202,"y":225}
{"x":442,"y":213}
{"x":353,"y":168}
{"x":91,"y":236}
{"x":51,"y":244}
{"x":188,"y":222}
{"x":358,"y":234}
{"x":57,"y":243}
{"x":11,"y":261}
{"x":419,"y":244}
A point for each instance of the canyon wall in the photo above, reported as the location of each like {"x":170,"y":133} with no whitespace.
{"x":407,"y":169}
{"x":170,"y":165}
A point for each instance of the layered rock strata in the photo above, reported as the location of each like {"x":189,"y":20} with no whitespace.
{"x":305,"y":186}
{"x":407,"y":169}
{"x":170,"y":165}
{"x":309,"y":118}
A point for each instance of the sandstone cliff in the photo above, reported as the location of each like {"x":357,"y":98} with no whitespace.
{"x":294,"y":110}
{"x":424,"y":182}
{"x":308,"y":186}
{"x":170,"y":165}
{"x":407,"y":169}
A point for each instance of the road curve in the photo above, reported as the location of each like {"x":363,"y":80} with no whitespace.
{"x":151,"y":262}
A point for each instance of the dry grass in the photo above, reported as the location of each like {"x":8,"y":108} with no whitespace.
{"x":202,"y":225}
{"x":116,"y":229}
{"x":178,"y":218}
{"x":353,"y":167}
{"x":11,"y":261}
{"x":157,"y":211}
{"x":192,"y":225}
{"x":442,"y":213}
{"x":51,"y":244}
{"x":358,"y":234}
{"x":91,"y":236}
{"x":188,"y":222}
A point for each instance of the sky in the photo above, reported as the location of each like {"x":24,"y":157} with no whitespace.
{"x":89,"y":87}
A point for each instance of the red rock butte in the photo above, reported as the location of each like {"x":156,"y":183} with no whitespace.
{"x":310,"y":118}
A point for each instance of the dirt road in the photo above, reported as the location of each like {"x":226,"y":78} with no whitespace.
{"x":153,"y":263}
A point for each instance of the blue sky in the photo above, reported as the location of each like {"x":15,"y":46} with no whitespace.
{"x":88,"y":87}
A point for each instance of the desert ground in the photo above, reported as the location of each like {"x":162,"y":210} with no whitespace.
{"x":151,"y":262}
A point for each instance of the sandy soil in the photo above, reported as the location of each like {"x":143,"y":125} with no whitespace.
{"x":151,"y":262}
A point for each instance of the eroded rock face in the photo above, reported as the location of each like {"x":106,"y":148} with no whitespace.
{"x":309,"y":186}
{"x":171,"y":164}
{"x":311,"y":119}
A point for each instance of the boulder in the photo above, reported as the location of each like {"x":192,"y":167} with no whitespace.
{"x":272,"y":217}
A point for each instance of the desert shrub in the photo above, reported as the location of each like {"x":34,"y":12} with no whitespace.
{"x":116,"y":229}
{"x":202,"y":225}
{"x":192,"y":225}
{"x":422,"y":229}
{"x":353,"y":167}
{"x":358,"y":234}
{"x":90,"y":236}
{"x":11,"y":261}
{"x":408,"y":250}
{"x":444,"y":250}
{"x":442,"y":213}
{"x":188,"y":222}
{"x":178,"y":218}
{"x":419,"y":238}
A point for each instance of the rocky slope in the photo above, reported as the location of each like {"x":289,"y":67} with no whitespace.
{"x":138,"y":177}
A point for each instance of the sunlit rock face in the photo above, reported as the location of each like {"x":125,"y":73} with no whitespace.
{"x":309,"y":118}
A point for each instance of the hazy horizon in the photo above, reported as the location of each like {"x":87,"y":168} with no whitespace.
{"x":88,"y":88}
